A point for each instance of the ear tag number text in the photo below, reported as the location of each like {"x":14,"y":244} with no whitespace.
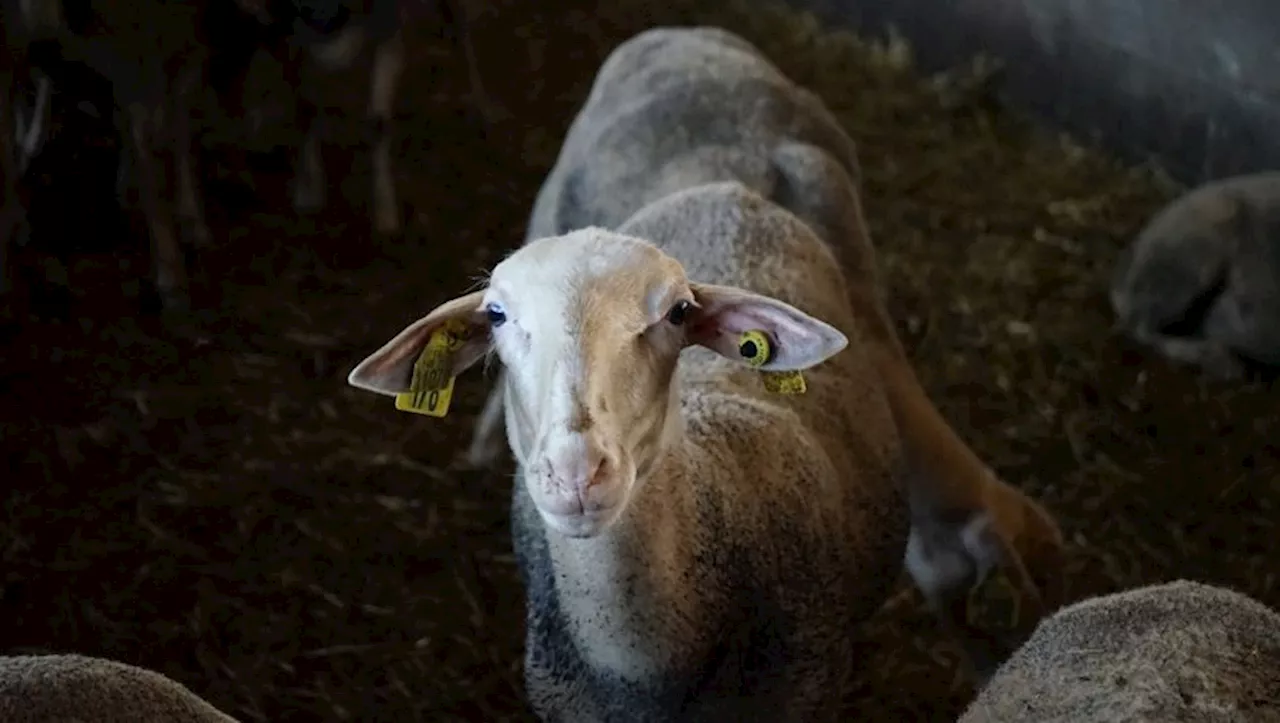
{"x":431,"y":387}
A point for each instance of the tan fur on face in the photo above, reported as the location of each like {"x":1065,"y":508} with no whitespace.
{"x":585,"y":350}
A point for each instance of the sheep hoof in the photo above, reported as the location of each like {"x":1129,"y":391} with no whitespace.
{"x":1217,"y":360}
{"x":491,"y":111}
{"x":386,"y":222}
{"x":995,"y":603}
{"x":308,"y":198}
{"x":174,"y":300}
{"x":387,"y":231}
{"x":198,"y":235}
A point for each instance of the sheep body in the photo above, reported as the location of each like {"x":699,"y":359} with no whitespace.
{"x":786,"y":523}
{"x":1201,"y":282}
{"x":693,"y":546}
{"x":1179,"y":651}
{"x":675,"y":109}
{"x":779,"y":523}
{"x":67,"y":688}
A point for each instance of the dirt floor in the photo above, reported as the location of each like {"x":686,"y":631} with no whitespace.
{"x":210,"y":499}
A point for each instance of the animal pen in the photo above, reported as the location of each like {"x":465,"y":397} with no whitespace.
{"x":205,"y":496}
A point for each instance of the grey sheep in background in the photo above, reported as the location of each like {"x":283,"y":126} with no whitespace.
{"x":1201,"y":283}
{"x":694,"y":546}
{"x":77,"y":688}
{"x":1179,"y":651}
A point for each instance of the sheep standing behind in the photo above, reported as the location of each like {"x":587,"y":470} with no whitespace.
{"x":692,"y":547}
{"x":1179,"y":651}
{"x":326,"y":36}
{"x":672,"y":109}
{"x":695,"y":546}
{"x":155,"y":77}
{"x":12,"y":213}
{"x":160,"y":79}
{"x":1201,"y":283}
{"x":20,"y":134}
{"x":62,"y":688}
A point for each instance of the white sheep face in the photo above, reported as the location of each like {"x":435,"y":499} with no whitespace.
{"x":590,"y":326}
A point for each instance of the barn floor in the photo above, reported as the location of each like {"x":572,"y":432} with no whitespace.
{"x":209,"y":498}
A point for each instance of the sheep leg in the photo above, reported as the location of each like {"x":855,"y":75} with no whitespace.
{"x":309,"y":177}
{"x":388,"y":67}
{"x":126,"y":175}
{"x":23,"y":135}
{"x":488,"y":440}
{"x":29,"y":132}
{"x":10,"y":205}
{"x":949,"y":482}
{"x":965,"y":521}
{"x":190,"y":209}
{"x":169,"y":267}
{"x":489,"y":108}
{"x":1216,"y":358}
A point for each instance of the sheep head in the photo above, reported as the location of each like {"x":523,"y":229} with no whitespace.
{"x":590,"y":326}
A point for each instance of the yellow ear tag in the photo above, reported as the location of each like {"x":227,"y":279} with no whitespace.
{"x":755,"y":347}
{"x":431,"y":388}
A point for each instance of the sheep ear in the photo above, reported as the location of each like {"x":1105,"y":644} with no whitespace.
{"x":728,"y":318}
{"x":389,"y":370}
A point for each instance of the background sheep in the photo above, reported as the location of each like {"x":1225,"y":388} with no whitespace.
{"x":680,"y":129}
{"x":61,"y":688}
{"x":20,"y":132}
{"x":332,"y":35}
{"x":1201,"y":283}
{"x":199,"y":61}
{"x":1177,"y":651}
{"x":740,"y":119}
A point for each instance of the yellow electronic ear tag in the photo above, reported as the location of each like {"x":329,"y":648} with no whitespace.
{"x":755,"y":347}
{"x":431,"y":388}
{"x":784,"y":382}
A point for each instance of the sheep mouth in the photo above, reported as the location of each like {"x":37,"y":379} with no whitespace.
{"x":581,"y":525}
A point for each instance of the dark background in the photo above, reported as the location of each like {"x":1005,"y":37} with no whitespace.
{"x":208,"y":498}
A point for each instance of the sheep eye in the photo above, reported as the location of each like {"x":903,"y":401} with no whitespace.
{"x":497,"y":317}
{"x":679,"y":312}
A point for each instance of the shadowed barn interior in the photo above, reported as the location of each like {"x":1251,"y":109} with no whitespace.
{"x":205,"y":496}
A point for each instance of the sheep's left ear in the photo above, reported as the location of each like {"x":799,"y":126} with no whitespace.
{"x":389,"y":370}
{"x":798,"y":341}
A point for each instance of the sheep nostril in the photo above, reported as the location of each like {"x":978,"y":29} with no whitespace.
{"x":598,"y":476}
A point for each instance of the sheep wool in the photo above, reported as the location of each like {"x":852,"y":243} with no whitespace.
{"x":77,"y":688}
{"x":1179,"y":651}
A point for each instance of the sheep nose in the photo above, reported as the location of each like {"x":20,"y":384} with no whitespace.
{"x":574,"y":468}
{"x":578,"y":475}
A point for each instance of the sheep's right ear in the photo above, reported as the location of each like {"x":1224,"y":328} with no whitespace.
{"x":389,"y":370}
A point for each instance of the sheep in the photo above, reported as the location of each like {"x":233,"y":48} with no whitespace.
{"x":69,"y":687}
{"x":693,"y":542}
{"x":332,"y":34}
{"x":1201,"y":282}
{"x":12,"y":214}
{"x":201,"y":57}
{"x":1177,"y":651}
{"x":21,"y":129}
{"x":674,"y":108}
{"x":158,"y":80}
{"x":648,"y":595}
{"x":155,"y":78}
